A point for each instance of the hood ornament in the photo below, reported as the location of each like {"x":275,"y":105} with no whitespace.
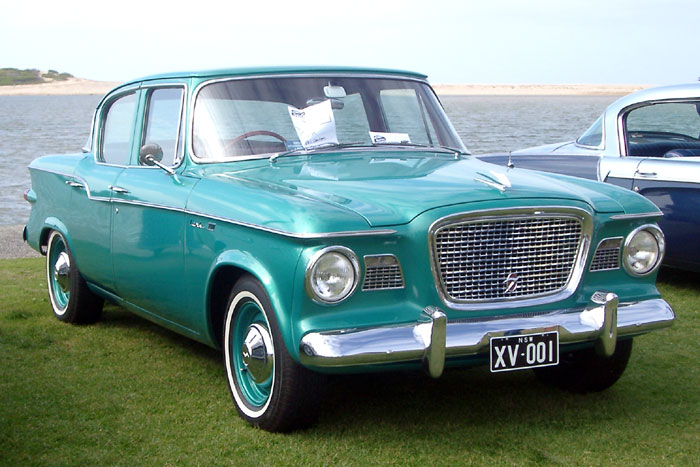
{"x":497,"y":180}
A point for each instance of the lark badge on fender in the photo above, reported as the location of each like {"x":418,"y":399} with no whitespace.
{"x":309,"y":221}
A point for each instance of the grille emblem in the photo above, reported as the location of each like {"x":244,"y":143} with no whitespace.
{"x":511,"y":282}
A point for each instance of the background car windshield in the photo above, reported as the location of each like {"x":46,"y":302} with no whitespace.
{"x":245,"y":117}
{"x":594,"y":135}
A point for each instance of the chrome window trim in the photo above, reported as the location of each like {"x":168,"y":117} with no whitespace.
{"x":398,"y":264}
{"x":350,"y":255}
{"x":619,"y":255}
{"x":622,"y":117}
{"x":198,"y":88}
{"x":660,"y":241}
{"x":150,"y":88}
{"x":577,"y":270}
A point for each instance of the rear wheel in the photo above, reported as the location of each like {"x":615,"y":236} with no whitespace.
{"x":584,"y":371}
{"x":71,"y":299}
{"x":270,"y":389}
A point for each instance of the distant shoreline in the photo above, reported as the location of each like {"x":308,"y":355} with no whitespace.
{"x":72,"y":86}
{"x":536,"y":89}
{"x":78,"y":86}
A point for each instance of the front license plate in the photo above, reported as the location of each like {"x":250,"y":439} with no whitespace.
{"x":528,"y":351}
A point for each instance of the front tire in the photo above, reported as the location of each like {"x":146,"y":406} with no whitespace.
{"x":70,"y":298}
{"x":269,"y":389}
{"x":584,"y":371}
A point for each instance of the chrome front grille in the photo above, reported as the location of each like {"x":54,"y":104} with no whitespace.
{"x":514,"y":257}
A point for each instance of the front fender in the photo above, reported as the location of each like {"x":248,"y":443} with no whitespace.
{"x":280,"y":294}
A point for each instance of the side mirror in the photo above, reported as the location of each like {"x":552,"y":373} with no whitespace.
{"x":150,"y":153}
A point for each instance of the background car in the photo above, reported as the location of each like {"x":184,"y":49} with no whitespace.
{"x":328,"y":220}
{"x":648,"y":142}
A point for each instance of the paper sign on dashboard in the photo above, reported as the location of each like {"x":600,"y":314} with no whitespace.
{"x":389,"y":138}
{"x":315,"y":125}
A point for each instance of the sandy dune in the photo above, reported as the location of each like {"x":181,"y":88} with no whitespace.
{"x":84,"y":86}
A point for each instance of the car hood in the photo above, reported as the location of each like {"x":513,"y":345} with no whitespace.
{"x":393,"y":188}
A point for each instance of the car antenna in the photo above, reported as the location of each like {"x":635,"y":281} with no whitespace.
{"x":510,"y":164}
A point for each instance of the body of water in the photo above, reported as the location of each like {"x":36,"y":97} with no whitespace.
{"x":31,"y":126}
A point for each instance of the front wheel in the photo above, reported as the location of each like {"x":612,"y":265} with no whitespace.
{"x":584,"y":371}
{"x":270,"y":389}
{"x":71,"y":299}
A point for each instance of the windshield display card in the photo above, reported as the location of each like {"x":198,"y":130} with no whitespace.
{"x":315,"y":125}
{"x":389,"y":138}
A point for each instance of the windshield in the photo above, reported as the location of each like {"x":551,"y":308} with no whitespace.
{"x":594,"y":135}
{"x":244,"y":117}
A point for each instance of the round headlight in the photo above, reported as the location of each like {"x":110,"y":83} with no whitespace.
{"x":332,"y":274}
{"x":644,"y":249}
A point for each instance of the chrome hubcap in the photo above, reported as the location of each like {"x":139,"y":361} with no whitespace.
{"x":61,"y":271}
{"x":257,"y":357}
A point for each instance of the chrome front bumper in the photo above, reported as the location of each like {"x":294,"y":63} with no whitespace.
{"x":432,"y":338}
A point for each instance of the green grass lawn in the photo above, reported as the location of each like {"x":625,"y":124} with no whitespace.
{"x":125,"y":391}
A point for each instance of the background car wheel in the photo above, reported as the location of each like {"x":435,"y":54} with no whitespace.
{"x":584,"y":371}
{"x":270,"y":389}
{"x":71,"y":300}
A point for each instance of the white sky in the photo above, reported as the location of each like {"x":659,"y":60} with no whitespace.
{"x":485,"y":41}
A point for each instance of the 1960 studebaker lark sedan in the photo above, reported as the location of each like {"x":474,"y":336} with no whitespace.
{"x":329,"y":220}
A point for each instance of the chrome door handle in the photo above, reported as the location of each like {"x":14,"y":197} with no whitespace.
{"x":74,"y":184}
{"x":646,"y":174}
{"x":118,"y":189}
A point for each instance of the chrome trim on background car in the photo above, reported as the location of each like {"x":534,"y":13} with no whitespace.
{"x":596,"y":323}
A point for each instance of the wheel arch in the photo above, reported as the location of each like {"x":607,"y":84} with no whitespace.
{"x":51,"y":224}
{"x":230,"y":267}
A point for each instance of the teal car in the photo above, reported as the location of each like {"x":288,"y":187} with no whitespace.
{"x":312,"y":221}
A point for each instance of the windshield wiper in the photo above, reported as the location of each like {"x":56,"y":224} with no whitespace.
{"x":304,"y":151}
{"x":445,"y":149}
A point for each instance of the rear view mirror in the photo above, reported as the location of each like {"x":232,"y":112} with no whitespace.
{"x":334,"y":92}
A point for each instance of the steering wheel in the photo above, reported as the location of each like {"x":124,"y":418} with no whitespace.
{"x":249,"y":134}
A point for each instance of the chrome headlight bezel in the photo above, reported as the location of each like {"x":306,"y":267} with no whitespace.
{"x":345,"y":253}
{"x":655,"y":231}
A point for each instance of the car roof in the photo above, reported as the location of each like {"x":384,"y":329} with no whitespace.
{"x":659,"y":93}
{"x":278,"y":70}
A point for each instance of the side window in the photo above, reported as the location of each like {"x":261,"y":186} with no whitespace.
{"x":162,"y":124}
{"x":669,"y":129}
{"x":404,"y":113}
{"x":117,"y":130}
